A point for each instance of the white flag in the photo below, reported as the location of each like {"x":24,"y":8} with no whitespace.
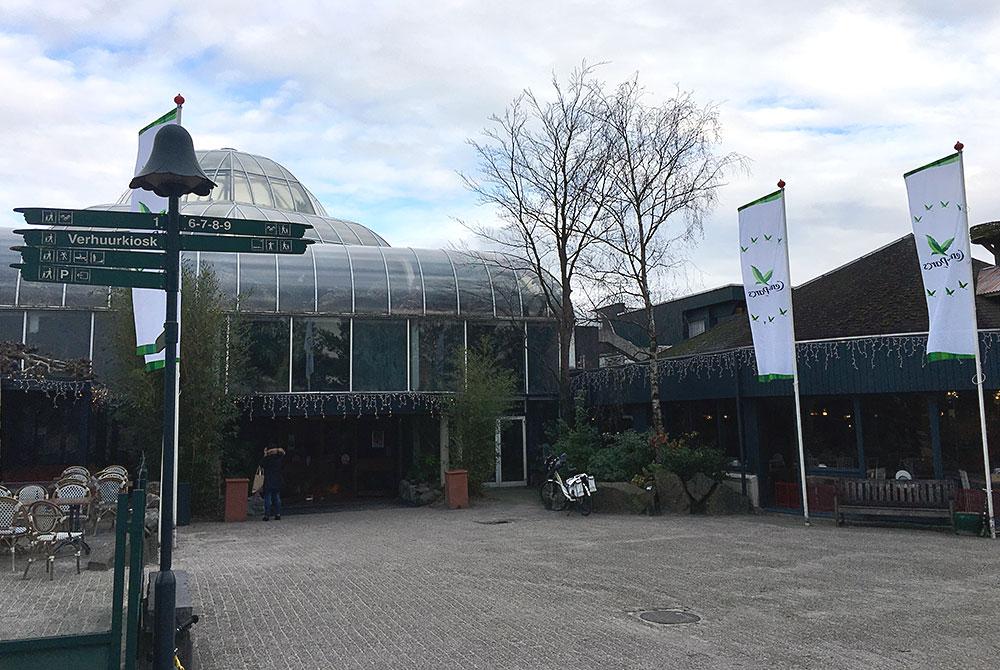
{"x":936,"y":193}
{"x":764,"y":260}
{"x":150,"y":305}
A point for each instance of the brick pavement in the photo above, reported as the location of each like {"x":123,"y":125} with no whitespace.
{"x":430,"y":588}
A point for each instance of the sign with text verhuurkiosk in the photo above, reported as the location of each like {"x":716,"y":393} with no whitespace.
{"x":243,"y":245}
{"x":122,"y":240}
{"x":936,"y":194}
{"x":69,"y":274}
{"x":92,"y":257}
{"x":90,"y":218}
{"x":764,"y":261}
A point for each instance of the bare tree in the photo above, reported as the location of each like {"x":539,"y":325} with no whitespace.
{"x":543,"y":165}
{"x":664,"y":171}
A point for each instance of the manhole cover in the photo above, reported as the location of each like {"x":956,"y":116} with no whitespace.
{"x":495,"y":522}
{"x":669,"y":617}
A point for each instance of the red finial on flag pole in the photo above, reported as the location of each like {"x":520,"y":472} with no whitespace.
{"x":959,"y":146}
{"x":179,"y":99}
{"x":781,"y":183}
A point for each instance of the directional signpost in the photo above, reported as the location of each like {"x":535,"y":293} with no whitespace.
{"x":112,"y":253}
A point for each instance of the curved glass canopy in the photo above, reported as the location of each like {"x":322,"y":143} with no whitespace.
{"x":330,"y":279}
{"x":255,"y":187}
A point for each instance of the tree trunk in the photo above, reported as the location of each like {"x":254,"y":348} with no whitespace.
{"x":566,"y":324}
{"x":654,"y":372}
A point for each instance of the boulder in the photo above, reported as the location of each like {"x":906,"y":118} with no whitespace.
{"x":671,"y":492}
{"x":418,"y":494}
{"x":622,"y":498}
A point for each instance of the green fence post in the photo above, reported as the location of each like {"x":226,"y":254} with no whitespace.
{"x":121,"y":525}
{"x":135,"y":571}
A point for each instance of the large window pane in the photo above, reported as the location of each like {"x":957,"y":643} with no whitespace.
{"x":897,"y":435}
{"x":62,"y":335}
{"x":961,"y":439}
{"x":333,"y":274}
{"x":474,"y":288}
{"x":371,"y":294}
{"x":224,"y":267}
{"x":260,"y":190}
{"x":39,"y":294}
{"x":543,"y":358}
{"x":434,"y":350}
{"x":379,"y":355}
{"x":107,"y":358}
{"x":828,"y":433}
{"x":80,"y":295}
{"x":258,"y":283}
{"x":296,"y":288}
{"x":406,"y":292}
{"x":8,"y":275}
{"x":507,"y":342}
{"x":439,"y":282}
{"x":320,"y":351}
{"x":267,"y":355}
{"x":11,"y":325}
{"x":505,"y":288}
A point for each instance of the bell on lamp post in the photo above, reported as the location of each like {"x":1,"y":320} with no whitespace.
{"x":171,"y":171}
{"x":172,"y":168}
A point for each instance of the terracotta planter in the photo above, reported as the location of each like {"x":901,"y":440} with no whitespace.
{"x":456,"y":488}
{"x":236,"y":499}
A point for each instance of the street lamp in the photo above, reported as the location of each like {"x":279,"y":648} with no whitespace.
{"x":171,"y":171}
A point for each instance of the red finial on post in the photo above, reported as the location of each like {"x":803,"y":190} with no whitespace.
{"x":179,"y":99}
{"x":959,"y":146}
{"x":781,"y":183}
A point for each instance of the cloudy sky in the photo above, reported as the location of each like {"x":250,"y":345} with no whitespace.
{"x":370,"y":103}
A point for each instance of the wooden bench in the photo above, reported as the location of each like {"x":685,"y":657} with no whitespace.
{"x":919,"y":498}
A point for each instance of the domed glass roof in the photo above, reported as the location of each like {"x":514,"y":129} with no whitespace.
{"x":255,"y":187}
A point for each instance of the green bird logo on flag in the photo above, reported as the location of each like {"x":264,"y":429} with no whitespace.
{"x":760,"y":276}
{"x":939,"y":249}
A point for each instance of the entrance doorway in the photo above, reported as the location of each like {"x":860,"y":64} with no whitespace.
{"x":511,"y":451}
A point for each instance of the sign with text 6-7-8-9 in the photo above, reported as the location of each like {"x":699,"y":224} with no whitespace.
{"x":764,"y":262}
{"x":936,"y":194}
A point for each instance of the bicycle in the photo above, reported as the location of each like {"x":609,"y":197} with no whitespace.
{"x":557,"y":493}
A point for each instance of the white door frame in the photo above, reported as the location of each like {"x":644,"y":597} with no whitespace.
{"x":497,"y":477}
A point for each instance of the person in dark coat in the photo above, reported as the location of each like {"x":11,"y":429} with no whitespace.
{"x":272,"y":463}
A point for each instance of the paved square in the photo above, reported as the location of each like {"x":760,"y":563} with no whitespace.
{"x":431,"y":588}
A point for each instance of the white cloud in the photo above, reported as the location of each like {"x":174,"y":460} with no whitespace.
{"x":370,"y":103}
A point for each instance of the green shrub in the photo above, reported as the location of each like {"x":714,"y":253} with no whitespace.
{"x":623,"y":456}
{"x":580,"y":441}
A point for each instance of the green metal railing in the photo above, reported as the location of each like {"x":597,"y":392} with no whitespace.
{"x":97,"y":651}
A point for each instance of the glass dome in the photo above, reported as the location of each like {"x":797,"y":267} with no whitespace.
{"x":255,"y":187}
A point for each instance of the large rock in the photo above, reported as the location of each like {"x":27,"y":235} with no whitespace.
{"x":418,"y":494}
{"x":724,"y":499}
{"x":670,"y":492}
{"x":622,"y":498}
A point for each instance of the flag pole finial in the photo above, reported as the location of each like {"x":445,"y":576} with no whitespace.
{"x":959,"y":146}
{"x":781,"y":183}
{"x":179,"y":99}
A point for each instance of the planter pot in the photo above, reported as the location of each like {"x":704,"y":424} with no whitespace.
{"x":456,"y":488}
{"x":237,"y":491}
{"x":968,"y":522}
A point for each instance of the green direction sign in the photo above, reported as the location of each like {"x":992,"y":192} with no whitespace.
{"x":90,"y":218}
{"x":68,"y":274}
{"x":92,"y":257}
{"x":243,"y":245}
{"x":94,"y":239}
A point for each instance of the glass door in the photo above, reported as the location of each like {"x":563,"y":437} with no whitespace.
{"x":511,"y":450}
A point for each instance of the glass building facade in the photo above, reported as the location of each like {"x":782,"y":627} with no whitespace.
{"x":352,"y":315}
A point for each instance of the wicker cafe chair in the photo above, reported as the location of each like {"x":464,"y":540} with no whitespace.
{"x":46,"y":521}
{"x":13,"y":525}
{"x":76,"y":470}
{"x":74,"y":477}
{"x":108,"y":488}
{"x":71,"y":490}
{"x":31,"y":493}
{"x":113,"y":470}
{"x":5,"y":492}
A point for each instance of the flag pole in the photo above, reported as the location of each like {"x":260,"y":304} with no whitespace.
{"x":795,"y":365}
{"x":980,"y":378}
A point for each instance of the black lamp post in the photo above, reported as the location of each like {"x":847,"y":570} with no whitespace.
{"x":171,"y":171}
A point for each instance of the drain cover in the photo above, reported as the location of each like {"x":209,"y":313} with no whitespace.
{"x":495,"y":522}
{"x":669,"y":617}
